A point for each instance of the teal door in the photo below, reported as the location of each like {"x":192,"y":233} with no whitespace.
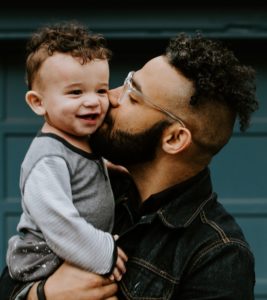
{"x":18,"y":126}
{"x":239,"y":171}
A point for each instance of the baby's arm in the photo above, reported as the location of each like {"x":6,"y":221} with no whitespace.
{"x":48,"y":200}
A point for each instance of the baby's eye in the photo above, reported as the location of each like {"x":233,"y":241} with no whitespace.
{"x":102,"y":91}
{"x":75,"y":92}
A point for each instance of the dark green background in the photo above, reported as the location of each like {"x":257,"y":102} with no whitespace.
{"x":136,"y":34}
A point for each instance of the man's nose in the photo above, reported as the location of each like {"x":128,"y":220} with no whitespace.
{"x":114,"y":96}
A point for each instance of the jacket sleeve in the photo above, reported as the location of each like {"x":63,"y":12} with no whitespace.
{"x":225,"y":271}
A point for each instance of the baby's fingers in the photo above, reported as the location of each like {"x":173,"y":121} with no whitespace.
{"x":122,"y":254}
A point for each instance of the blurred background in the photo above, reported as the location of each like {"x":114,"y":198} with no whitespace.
{"x":137,"y":31}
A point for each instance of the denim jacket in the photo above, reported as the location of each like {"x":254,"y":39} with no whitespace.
{"x":182,"y":244}
{"x":189,"y":247}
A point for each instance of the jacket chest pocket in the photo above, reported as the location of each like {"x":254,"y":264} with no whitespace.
{"x":144,"y":281}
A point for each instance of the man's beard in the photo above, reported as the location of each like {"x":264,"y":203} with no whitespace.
{"x":124,"y":148}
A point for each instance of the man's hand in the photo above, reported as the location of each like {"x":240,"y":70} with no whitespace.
{"x":71,"y":283}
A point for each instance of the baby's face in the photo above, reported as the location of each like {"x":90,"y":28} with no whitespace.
{"x":74,"y":95}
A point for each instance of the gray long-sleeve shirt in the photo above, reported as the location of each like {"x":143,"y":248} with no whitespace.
{"x":67,"y":200}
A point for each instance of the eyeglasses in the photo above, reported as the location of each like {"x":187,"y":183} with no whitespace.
{"x":128,"y":89}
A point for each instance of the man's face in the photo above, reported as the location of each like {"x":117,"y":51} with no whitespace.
{"x":132,"y":130}
{"x":124,"y":148}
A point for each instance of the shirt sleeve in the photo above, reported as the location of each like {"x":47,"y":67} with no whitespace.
{"x":48,"y":200}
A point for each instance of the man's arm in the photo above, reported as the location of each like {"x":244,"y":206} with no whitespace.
{"x":71,"y":283}
{"x":67,"y":283}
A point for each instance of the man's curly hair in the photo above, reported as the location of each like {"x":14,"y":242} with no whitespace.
{"x":65,"y":37}
{"x":217,"y":74}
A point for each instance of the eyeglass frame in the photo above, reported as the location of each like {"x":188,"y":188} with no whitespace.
{"x":129,"y":88}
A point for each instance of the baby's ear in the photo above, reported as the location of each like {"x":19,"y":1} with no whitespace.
{"x":35,"y":102}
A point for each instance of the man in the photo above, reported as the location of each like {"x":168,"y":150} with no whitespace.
{"x":165,"y":125}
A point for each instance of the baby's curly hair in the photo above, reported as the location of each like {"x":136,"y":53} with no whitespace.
{"x":217,"y":74}
{"x":65,"y":37}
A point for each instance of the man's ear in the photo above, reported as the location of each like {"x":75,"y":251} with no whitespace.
{"x":176,"y":138}
{"x":35,"y":102}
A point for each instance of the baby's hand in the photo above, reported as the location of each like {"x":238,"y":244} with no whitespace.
{"x":116,"y":168}
{"x":120,"y":268}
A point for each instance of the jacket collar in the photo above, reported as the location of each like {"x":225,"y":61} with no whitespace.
{"x":182,"y":208}
{"x":176,"y":207}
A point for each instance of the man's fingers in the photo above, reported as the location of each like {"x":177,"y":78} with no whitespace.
{"x":69,"y":282}
{"x":104,"y":292}
{"x":106,"y":280}
{"x":117,"y":274}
